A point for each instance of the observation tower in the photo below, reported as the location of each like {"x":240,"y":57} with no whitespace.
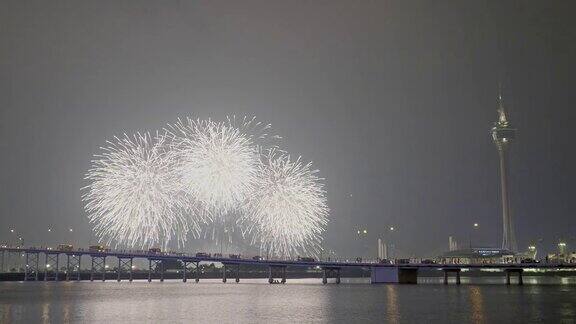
{"x":503,"y":133}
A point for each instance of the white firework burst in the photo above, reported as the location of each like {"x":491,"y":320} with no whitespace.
{"x":218,"y":162}
{"x":133,"y":198}
{"x":288,"y":211}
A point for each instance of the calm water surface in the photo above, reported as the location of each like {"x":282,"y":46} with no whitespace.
{"x":299,"y":301}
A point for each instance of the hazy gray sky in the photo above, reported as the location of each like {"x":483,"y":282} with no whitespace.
{"x":392,"y":100}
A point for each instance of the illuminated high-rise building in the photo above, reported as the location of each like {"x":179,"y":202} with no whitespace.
{"x":503,"y":133}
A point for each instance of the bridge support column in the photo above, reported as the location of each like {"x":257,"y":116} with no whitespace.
{"x":72,"y":264}
{"x":330,"y":272}
{"x":455,"y":270}
{"x":32,"y":266}
{"x":517,"y":271}
{"x":224,"y":273}
{"x":98,"y":265}
{"x":276,"y":271}
{"x":130,"y":278}
{"x":238,"y":273}
{"x":124,"y":265}
{"x":119,"y":270}
{"x":158,"y":266}
{"x":149,"y":270}
{"x":184,"y":268}
{"x":51,"y":270}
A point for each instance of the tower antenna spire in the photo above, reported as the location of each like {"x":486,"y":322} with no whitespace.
{"x":502,"y":119}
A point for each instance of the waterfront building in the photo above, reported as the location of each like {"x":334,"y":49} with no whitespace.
{"x":475,"y":255}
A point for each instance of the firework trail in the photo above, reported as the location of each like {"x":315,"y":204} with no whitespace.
{"x":133,"y":198}
{"x":287,"y":212}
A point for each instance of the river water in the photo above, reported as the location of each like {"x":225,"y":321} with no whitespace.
{"x":299,"y":301}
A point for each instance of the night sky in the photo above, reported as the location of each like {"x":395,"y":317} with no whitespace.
{"x":392,"y":101}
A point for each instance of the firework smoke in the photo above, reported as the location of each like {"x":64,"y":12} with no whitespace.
{"x":288,"y":211}
{"x":133,"y":198}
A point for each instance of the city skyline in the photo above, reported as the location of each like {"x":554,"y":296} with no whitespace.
{"x":392,"y":104}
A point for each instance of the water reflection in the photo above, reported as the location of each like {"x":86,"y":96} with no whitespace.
{"x":298,"y":301}
{"x":6,"y":313}
{"x":46,"y":313}
{"x":477,"y":314}
{"x":392,"y":303}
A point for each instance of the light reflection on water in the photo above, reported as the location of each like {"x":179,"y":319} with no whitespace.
{"x":305,"y":300}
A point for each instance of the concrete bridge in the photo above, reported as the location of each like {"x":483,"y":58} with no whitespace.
{"x":47,"y":261}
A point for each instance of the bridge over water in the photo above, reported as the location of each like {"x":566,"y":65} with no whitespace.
{"x":47,"y":261}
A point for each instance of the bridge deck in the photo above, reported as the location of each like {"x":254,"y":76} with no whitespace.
{"x":292,"y":263}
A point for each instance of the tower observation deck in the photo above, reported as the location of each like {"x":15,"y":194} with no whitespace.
{"x":503,"y":133}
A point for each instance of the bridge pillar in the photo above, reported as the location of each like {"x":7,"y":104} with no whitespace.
{"x":32,"y":266}
{"x":224,"y":273}
{"x":124,"y":265}
{"x":51,"y":270}
{"x":158,"y":265}
{"x":456,"y":270}
{"x":270,"y":278}
{"x":130,"y":273}
{"x":330,"y":272}
{"x":119,"y":270}
{"x":517,"y":271}
{"x":238,"y":273}
{"x":98,"y":265}
{"x":184,"y":268}
{"x":278,"y":271}
{"x":72,"y":264}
